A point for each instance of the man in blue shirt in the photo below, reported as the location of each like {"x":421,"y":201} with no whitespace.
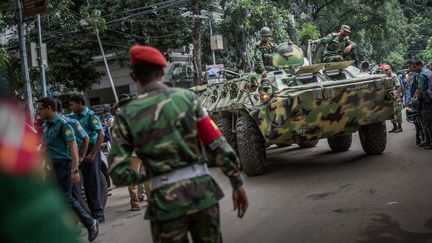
{"x":61,"y":151}
{"x":81,"y":135}
{"x":91,"y":166}
{"x":424,"y":94}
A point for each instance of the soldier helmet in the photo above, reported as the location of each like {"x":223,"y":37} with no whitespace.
{"x":265,"y":31}
{"x":346,"y":28}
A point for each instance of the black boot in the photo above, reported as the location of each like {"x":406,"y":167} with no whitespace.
{"x":399,"y":128}
{"x":394,"y":128}
{"x":93,"y":231}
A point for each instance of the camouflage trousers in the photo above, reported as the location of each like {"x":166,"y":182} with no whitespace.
{"x":397,"y":108}
{"x":204,"y":227}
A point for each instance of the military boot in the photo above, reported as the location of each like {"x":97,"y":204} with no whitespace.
{"x":399,"y":128}
{"x":418,"y":140}
{"x":394,"y":128}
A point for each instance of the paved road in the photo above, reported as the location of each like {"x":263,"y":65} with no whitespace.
{"x":313,"y":195}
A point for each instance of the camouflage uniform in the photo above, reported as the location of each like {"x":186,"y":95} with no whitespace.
{"x":397,"y":105}
{"x":334,"y":48}
{"x":262,"y":62}
{"x":161,"y":127}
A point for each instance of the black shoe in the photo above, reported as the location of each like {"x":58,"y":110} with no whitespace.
{"x":398,"y":130}
{"x":418,"y":141}
{"x":423,"y":144}
{"x":428,"y":147}
{"x":93,"y":231}
{"x":101,"y":220}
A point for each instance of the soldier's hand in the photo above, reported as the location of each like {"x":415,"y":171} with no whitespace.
{"x":348,"y":49}
{"x":240,"y":201}
{"x":75,"y":177}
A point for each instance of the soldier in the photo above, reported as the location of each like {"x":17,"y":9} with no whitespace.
{"x":424,"y":95}
{"x":31,"y":210}
{"x":413,"y":103}
{"x":338,"y":46}
{"x":263,"y":49}
{"x":168,"y":129}
{"x":397,"y":101}
{"x":62,"y":153}
{"x":91,"y":166}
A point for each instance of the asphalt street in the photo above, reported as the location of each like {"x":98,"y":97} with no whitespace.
{"x":314,"y":195}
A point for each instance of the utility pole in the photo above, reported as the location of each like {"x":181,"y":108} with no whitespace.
{"x":105,"y":61}
{"x":41,"y":61}
{"x":211,"y":34}
{"x":28,"y":98}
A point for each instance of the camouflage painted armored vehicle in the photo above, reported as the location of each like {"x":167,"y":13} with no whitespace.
{"x":300,"y":104}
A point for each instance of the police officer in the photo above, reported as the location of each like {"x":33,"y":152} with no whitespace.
{"x":338,"y":46}
{"x":168,"y":129}
{"x":424,"y":94}
{"x":61,"y":151}
{"x":414,"y":103}
{"x":397,"y":101}
{"x":91,"y":166}
{"x":31,"y":210}
{"x":263,"y":50}
{"x":81,"y":135}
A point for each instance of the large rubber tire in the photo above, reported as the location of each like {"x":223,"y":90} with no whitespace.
{"x":373,"y":138}
{"x":250,"y":147}
{"x":308,"y":144}
{"x":225,"y":126}
{"x":340,"y":143}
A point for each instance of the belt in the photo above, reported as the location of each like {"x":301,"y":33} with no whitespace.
{"x":184,"y":173}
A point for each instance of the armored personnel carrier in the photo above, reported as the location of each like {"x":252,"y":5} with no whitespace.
{"x":299,"y":103}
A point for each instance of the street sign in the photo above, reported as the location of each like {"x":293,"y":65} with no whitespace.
{"x":34,"y":7}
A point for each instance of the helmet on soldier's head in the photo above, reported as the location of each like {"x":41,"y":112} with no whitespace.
{"x":265,"y":31}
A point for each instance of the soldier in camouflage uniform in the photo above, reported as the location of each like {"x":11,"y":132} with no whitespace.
{"x":169,"y":130}
{"x":338,"y":46}
{"x":263,"y":49}
{"x":397,"y":101}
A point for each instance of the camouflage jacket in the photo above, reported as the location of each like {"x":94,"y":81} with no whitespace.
{"x":335,"y":46}
{"x":259,"y":56}
{"x":160,"y":126}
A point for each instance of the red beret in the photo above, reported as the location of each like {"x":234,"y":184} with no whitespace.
{"x":147,"y":54}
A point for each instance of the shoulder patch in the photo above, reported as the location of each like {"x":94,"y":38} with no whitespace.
{"x":68,"y":132}
{"x":94,"y":121}
{"x":79,"y":127}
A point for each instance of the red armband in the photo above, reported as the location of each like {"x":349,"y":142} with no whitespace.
{"x":208,"y":131}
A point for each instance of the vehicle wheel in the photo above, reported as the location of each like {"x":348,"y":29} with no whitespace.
{"x":340,"y":143}
{"x":373,"y":138}
{"x":225,"y":126}
{"x":250,"y":147}
{"x":308,"y":144}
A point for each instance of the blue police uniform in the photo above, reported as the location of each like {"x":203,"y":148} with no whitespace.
{"x":91,"y":170}
{"x":78,"y":130}
{"x":57,"y":134}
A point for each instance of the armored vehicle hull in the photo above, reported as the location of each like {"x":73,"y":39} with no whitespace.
{"x":301,"y":106}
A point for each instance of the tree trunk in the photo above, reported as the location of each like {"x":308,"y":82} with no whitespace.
{"x":197,"y":43}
